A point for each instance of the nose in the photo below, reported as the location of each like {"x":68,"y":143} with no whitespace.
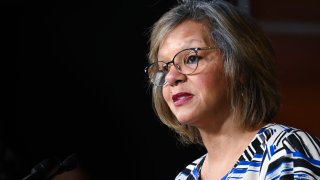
{"x":174,"y":77}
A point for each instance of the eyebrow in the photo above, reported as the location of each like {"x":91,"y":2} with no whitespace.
{"x":188,"y":47}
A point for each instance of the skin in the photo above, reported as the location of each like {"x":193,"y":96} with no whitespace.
{"x":205,"y":96}
{"x":201,"y":99}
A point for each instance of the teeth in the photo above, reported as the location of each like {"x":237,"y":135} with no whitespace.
{"x":180,"y":97}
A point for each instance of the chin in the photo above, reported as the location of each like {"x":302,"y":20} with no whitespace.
{"x":185,"y":121}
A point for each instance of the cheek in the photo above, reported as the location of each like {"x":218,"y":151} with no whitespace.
{"x":212,"y":84}
{"x":166,"y":94}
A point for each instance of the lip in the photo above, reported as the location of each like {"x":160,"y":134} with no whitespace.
{"x":181,"y":98}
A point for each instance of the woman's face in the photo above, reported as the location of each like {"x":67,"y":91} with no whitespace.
{"x":199,"y":98}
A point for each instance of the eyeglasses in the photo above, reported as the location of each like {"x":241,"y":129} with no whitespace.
{"x":185,"y":61}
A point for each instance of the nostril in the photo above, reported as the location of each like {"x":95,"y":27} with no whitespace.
{"x":178,"y":81}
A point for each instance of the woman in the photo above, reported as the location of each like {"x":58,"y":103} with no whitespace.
{"x":214,"y":83}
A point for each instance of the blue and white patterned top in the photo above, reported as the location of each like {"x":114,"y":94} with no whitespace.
{"x":276,"y":152}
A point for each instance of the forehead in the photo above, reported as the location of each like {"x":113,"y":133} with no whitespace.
{"x":186,"y":35}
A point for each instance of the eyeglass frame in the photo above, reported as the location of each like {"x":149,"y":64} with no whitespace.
{"x":166,"y":64}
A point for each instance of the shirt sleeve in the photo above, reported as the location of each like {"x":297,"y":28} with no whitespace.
{"x":294,"y":155}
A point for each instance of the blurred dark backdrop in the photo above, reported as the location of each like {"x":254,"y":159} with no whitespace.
{"x":80,"y":86}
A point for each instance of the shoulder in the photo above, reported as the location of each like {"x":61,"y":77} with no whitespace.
{"x":293,"y":140}
{"x":291,"y":152}
{"x":191,"y":172}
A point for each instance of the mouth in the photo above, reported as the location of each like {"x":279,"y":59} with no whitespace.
{"x":181,"y":98}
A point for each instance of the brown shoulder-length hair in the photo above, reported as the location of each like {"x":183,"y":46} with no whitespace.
{"x":248,"y":63}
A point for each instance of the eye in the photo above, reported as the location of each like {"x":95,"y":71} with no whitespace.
{"x":160,"y":66}
{"x":165,"y":67}
{"x":191,"y":59}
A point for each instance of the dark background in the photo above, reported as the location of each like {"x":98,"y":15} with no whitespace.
{"x":81,"y":88}
{"x":80,"y":85}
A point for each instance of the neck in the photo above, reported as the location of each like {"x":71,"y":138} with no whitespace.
{"x":224,"y":144}
{"x":227,"y":138}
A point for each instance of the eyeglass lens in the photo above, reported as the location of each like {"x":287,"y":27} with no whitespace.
{"x":185,"y":62}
